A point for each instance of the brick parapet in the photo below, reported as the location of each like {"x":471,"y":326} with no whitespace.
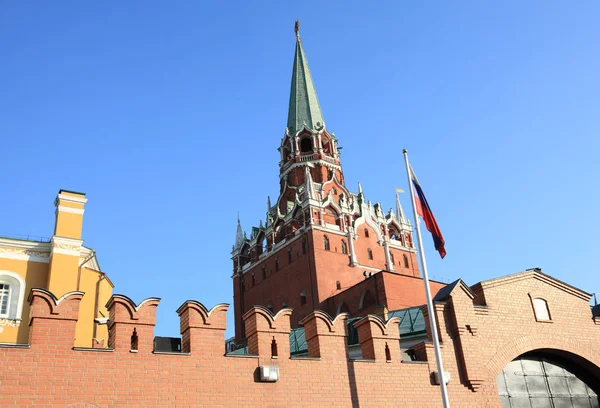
{"x":47,"y":372}
{"x":131,"y":326}
{"x":53,"y":319}
{"x":268,"y":334}
{"x":326,"y":337}
{"x":379,"y":340}
{"x":202,"y":330}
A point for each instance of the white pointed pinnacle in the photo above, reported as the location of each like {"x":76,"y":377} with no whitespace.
{"x":308,"y":181}
{"x":359,"y":188}
{"x":399,"y":211}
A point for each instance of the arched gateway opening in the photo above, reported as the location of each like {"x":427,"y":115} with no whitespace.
{"x":548,"y":380}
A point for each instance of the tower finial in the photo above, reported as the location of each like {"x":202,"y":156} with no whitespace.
{"x":297,"y":28}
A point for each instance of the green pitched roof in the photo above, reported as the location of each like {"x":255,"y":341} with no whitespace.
{"x":304,"y":109}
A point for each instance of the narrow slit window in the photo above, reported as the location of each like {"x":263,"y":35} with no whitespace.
{"x":370,"y":253}
{"x":344,"y":248}
{"x":405,"y":260}
{"x":366,"y":233}
{"x":326,"y":243}
{"x":134,"y":340}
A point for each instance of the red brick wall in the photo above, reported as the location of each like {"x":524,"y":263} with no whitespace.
{"x":316,"y":273}
{"x":393,"y":290}
{"x":51,"y":373}
{"x":283,"y":285}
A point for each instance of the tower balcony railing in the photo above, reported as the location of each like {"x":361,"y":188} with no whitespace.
{"x":306,"y":157}
{"x":329,"y":159}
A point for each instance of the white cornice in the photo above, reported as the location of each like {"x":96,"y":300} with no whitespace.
{"x":71,"y":210}
{"x":329,"y":230}
{"x":22,"y":250}
{"x":310,"y":163}
{"x":66,"y":246}
{"x":65,"y":197}
{"x":24,"y":255}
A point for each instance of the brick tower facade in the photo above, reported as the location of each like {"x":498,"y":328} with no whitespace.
{"x":319,"y":238}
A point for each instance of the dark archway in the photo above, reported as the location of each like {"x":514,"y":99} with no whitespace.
{"x":306,"y":145}
{"x":549,"y":378}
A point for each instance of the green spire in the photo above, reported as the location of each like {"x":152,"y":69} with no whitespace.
{"x":304,"y":110}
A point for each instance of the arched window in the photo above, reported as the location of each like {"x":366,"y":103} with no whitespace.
{"x":12,"y":295}
{"x":306,"y":145}
{"x":405,"y":260}
{"x":290,"y":255}
{"x":366,"y":300}
{"x":264,"y":245}
{"x":264,"y":272}
{"x":392,"y":258}
{"x":304,"y":246}
{"x":338,"y":285}
{"x":253,"y":279}
{"x":540,"y":308}
{"x":276,"y":263}
{"x":366,"y":233}
{"x":370,"y":253}
{"x":303,"y":298}
{"x":344,"y":248}
{"x":326,"y":242}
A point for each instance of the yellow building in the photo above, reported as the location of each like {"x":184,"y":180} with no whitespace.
{"x":61,"y":264}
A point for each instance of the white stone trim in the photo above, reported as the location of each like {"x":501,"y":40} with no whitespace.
{"x":101,"y":320}
{"x":328,"y":230}
{"x":24,"y":255}
{"x":20,"y":296}
{"x":91,"y":263}
{"x":80,"y":200}
{"x":66,"y":246}
{"x":71,"y":210}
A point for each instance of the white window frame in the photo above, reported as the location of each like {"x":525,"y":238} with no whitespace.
{"x":5,"y":315}
{"x":16,"y":294}
{"x":541,"y":308}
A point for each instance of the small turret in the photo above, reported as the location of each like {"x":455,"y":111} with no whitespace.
{"x":399,"y":211}
{"x":239,"y":235}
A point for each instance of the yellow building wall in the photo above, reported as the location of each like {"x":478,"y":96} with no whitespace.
{"x":69,"y":225}
{"x":63,"y":274}
{"x":35,"y":275}
{"x":106,"y":291}
{"x":97,"y":291}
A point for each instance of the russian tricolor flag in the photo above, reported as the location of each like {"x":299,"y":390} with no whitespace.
{"x":424,"y":211}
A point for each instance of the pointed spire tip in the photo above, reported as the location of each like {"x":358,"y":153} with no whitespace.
{"x":297,"y":28}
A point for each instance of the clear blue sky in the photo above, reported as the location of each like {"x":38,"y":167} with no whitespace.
{"x":168,"y":115}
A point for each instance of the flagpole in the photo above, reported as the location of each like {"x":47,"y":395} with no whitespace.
{"x":432,"y":322}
